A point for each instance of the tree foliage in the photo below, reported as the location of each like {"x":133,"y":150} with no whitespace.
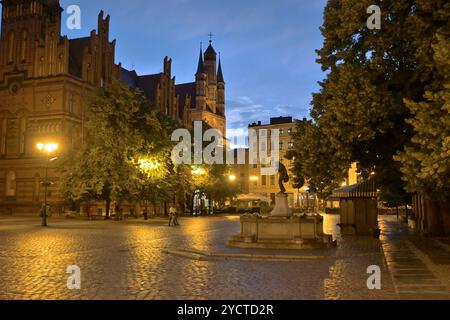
{"x":360,"y":113}
{"x":121,"y":130}
{"x":425,"y":163}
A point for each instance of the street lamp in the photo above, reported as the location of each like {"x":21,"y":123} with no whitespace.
{"x":48,"y":149}
{"x":198,"y":171}
{"x":151,"y":167}
{"x":232,"y":177}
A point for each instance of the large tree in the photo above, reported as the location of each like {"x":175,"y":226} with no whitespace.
{"x":212,"y":179}
{"x":360,"y":113}
{"x":425,"y":162}
{"x":122,"y":130}
{"x":315,"y":159}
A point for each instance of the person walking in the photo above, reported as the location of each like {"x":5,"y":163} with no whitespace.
{"x":172,"y":212}
{"x":175,"y":217}
{"x":145,"y":213}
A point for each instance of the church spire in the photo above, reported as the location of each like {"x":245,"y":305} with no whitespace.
{"x":219,"y":72}
{"x":201,"y":67}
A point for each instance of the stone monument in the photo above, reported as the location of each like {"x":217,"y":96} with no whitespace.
{"x":281,"y":229}
{"x":281,"y":199}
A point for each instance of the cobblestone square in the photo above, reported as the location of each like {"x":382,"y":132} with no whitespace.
{"x":138,"y":259}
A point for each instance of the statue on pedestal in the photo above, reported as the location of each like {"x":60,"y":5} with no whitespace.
{"x":283,"y":177}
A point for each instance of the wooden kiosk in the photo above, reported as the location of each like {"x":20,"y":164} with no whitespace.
{"x":358,"y":209}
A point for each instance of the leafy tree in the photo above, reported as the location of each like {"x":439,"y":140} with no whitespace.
{"x":315,"y":159}
{"x":360,"y":112}
{"x":121,"y":129}
{"x":425,"y":163}
{"x":218,"y":186}
{"x":211,"y":180}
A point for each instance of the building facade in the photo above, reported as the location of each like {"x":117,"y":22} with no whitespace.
{"x":45,"y":81}
{"x":267,"y":186}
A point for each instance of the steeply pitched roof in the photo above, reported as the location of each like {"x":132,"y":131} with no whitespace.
{"x":128,"y":77}
{"x":210,"y":51}
{"x":201,"y":66}
{"x":76,"y":49}
{"x":219,"y":73}
{"x":184,"y":90}
{"x":148,"y":84}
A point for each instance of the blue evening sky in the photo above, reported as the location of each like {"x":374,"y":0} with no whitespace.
{"x":267,"y":46}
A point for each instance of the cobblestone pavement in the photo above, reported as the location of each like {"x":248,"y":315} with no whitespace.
{"x":420,"y":266}
{"x":132,"y":260}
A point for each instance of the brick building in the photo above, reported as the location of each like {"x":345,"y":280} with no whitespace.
{"x":45,"y":80}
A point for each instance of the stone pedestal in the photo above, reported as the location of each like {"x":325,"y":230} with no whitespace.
{"x":282,"y":230}
{"x":281,"y":206}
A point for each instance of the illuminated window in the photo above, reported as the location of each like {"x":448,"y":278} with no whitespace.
{"x":272,"y":180}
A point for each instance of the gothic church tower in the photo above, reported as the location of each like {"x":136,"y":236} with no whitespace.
{"x":210,"y":91}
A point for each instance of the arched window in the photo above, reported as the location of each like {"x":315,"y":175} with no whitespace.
{"x":11,"y":46}
{"x":23,"y":45}
{"x":11,"y":184}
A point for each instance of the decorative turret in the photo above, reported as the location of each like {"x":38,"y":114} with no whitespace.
{"x":219,"y":72}
{"x":200,"y":83}
{"x":220,"y":109}
{"x":201,"y":66}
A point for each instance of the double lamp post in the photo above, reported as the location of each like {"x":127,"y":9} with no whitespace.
{"x":48,"y":149}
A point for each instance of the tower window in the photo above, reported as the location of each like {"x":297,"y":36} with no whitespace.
{"x":23,"y":45}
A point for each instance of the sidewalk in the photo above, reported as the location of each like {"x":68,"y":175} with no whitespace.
{"x":419,"y":266}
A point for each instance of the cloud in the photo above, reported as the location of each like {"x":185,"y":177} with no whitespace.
{"x":244,"y":110}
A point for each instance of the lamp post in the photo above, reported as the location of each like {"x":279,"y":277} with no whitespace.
{"x":198,"y":173}
{"x":48,"y":149}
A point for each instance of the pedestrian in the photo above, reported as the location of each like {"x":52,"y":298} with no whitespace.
{"x":172,"y":216}
{"x":145,"y":213}
{"x":175,"y":217}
